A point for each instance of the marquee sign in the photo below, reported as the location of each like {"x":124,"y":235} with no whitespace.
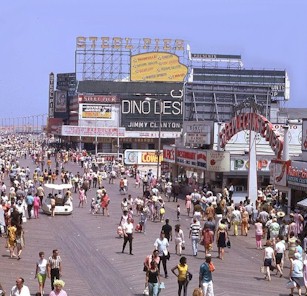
{"x":142,"y":115}
{"x":256,"y":123}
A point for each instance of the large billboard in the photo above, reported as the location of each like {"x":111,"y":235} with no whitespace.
{"x":60,"y":104}
{"x":96,"y":111}
{"x":157,"y":66}
{"x":144,"y":115}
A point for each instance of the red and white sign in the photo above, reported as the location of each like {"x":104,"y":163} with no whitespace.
{"x":83,"y":131}
{"x":218,"y":161}
{"x":169,"y":153}
{"x":256,"y":123}
{"x":186,"y":157}
{"x":202,"y":159}
{"x":279,"y":171}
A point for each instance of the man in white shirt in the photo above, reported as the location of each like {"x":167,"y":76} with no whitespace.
{"x":280,"y":249}
{"x":128,"y":235}
{"x":20,"y":289}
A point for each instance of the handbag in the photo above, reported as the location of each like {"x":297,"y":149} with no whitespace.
{"x":228,"y":244}
{"x":146,"y":291}
{"x":291,"y":284}
{"x":189,"y":276}
{"x":162,"y":285}
{"x":262,"y":269}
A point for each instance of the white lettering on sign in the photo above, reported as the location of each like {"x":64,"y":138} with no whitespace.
{"x":146,"y":107}
{"x":127,"y":43}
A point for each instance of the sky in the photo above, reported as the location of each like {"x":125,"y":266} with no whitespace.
{"x":39,"y":37}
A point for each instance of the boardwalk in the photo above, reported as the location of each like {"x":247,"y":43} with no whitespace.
{"x":94,"y":265}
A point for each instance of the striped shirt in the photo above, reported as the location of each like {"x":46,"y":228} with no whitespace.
{"x":195,"y":229}
{"x":54,"y":263}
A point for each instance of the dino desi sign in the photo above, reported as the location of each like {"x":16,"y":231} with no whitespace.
{"x":256,"y":123}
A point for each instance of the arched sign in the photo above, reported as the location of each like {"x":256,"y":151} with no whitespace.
{"x":256,"y":123}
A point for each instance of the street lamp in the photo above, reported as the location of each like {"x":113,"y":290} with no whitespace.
{"x":159,"y":133}
{"x":79,"y":125}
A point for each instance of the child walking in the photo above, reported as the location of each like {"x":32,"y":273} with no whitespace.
{"x":178,"y":212}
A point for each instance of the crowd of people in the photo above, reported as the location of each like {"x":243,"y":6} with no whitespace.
{"x":215,"y":218}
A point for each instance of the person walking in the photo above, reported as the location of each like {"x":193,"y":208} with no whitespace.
{"x":280,"y":249}
{"x":205,"y":276}
{"x":41,"y":271}
{"x":20,"y":240}
{"x":128,"y":235}
{"x":168,"y":230}
{"x":58,"y":289}
{"x":29,"y":202}
{"x":54,"y":267}
{"x":207,"y":238}
{"x":269,"y":258}
{"x":236,"y":220}
{"x":221,"y":239}
{"x":179,"y":239}
{"x":182,"y":276}
{"x":258,"y":233}
{"x":161,"y":244}
{"x":188,"y":203}
{"x":296,"y":273}
{"x":36,"y":205}
{"x":20,"y":289}
{"x":11,"y":230}
{"x":152,"y":280}
{"x":82,"y":197}
{"x":195,"y":235}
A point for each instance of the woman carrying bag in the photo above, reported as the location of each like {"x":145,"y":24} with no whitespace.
{"x":153,"y":279}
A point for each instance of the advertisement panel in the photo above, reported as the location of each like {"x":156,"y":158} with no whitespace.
{"x":186,"y":157}
{"x":60,"y":104}
{"x":278,"y":172}
{"x":169,"y":154}
{"x":96,"y":111}
{"x":297,"y":174}
{"x":51,"y":96}
{"x":202,"y":159}
{"x":304,"y":135}
{"x":143,"y":115}
{"x":83,"y":131}
{"x":66,"y":81}
{"x":142,"y":157}
{"x":241,"y":163}
{"x":157,"y":66}
{"x":218,"y":161}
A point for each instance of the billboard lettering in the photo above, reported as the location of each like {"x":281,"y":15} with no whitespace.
{"x":156,"y":44}
{"x":51,"y":95}
{"x":157,"y":66}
